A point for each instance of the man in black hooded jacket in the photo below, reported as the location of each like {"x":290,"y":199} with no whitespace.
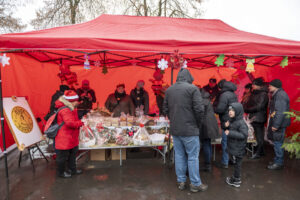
{"x":183,"y":105}
{"x":257,"y":107}
{"x":227,"y":97}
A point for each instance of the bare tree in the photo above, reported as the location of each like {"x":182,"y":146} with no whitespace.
{"x":8,"y":23}
{"x":62,"y":12}
{"x":166,"y":8}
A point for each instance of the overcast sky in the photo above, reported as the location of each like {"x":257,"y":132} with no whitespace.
{"x":278,"y":18}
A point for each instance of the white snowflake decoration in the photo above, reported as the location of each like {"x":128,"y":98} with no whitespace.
{"x":184,"y":65}
{"x":4,"y":60}
{"x":162,"y":64}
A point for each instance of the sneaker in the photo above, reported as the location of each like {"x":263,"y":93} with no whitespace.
{"x":200,"y":188}
{"x":275,"y":166}
{"x":65,"y":175}
{"x":181,"y":185}
{"x":75,"y":172}
{"x":235,"y":182}
{"x":255,"y":156}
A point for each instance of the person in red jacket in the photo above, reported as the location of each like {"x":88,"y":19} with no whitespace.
{"x":67,"y":138}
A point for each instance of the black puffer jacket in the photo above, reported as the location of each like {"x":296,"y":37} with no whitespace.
{"x":257,"y":106}
{"x":184,"y":106}
{"x":210,"y":128}
{"x":140,"y":98}
{"x":238,"y":132}
{"x":280,"y":103}
{"x":227,"y":97}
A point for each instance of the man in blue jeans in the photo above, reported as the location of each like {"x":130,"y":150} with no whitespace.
{"x":183,"y":105}
{"x":279,"y":104}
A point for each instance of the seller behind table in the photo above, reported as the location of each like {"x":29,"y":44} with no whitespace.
{"x":140,"y":97}
{"x":119,"y":102}
{"x":87,"y":98}
{"x":212,"y":88}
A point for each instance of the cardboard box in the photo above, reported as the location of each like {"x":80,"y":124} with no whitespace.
{"x":99,"y":154}
{"x":115,"y":154}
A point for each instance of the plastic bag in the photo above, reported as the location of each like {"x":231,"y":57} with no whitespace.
{"x":141,"y":137}
{"x":86,"y":137}
{"x":250,"y":128}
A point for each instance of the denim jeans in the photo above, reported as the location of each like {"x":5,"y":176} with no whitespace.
{"x":225,"y":157}
{"x":279,"y":151}
{"x":207,"y":150}
{"x":187,"y":157}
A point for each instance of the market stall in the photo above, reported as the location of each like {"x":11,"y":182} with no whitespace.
{"x":113,"y":49}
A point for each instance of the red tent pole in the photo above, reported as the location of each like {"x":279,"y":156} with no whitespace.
{"x":2,"y":125}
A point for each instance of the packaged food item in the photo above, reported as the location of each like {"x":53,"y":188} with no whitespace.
{"x":115,"y":121}
{"x":157,"y":138}
{"x":130,"y":121}
{"x":107,"y":122}
{"x":86,"y":137}
{"x":141,"y":137}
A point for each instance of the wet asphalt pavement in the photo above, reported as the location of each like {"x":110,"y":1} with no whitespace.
{"x":146,"y":178}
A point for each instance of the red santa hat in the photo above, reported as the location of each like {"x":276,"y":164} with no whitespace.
{"x":71,"y":96}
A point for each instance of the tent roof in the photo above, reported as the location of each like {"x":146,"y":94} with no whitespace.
{"x":151,"y":34}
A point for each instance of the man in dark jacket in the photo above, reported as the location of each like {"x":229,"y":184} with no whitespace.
{"x":227,"y":97}
{"x":237,"y":133}
{"x":257,"y":107}
{"x":119,"y":102}
{"x":208,"y":131}
{"x":55,"y":97}
{"x":87,"y":98}
{"x":212,"y":88}
{"x":140,"y":97}
{"x":278,"y":121}
{"x":183,"y":105}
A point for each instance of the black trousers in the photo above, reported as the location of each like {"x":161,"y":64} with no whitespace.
{"x":237,"y":166}
{"x":66,"y":156}
{"x":259,"y":131}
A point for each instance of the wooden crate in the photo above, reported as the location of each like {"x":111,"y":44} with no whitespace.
{"x":115,"y":154}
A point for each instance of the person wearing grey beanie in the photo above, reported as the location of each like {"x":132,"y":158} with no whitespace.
{"x":278,"y":121}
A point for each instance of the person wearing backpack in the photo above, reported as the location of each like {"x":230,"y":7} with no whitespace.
{"x":67,"y":138}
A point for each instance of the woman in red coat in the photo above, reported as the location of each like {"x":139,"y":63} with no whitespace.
{"x":67,"y":138}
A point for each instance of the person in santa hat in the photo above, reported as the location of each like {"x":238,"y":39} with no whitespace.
{"x":67,"y":138}
{"x":87,"y":97}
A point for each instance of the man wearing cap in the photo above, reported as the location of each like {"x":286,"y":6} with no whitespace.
{"x":87,"y":98}
{"x":140,"y":97}
{"x":67,"y":138}
{"x":119,"y":102}
{"x":278,"y":121}
{"x":212,"y":88}
{"x":257,"y":107}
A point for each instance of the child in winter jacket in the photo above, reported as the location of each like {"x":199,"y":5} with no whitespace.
{"x":237,"y":134}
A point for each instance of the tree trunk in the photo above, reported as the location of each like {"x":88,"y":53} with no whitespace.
{"x":159,"y":8}
{"x":145,"y":8}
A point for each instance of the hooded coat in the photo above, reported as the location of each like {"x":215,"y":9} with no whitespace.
{"x":280,"y":103}
{"x":238,"y":132}
{"x":68,"y":135}
{"x":210,"y":128}
{"x":227,"y":97}
{"x":184,"y":106}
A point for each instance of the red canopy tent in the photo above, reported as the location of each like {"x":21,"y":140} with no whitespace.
{"x":130,"y":46}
